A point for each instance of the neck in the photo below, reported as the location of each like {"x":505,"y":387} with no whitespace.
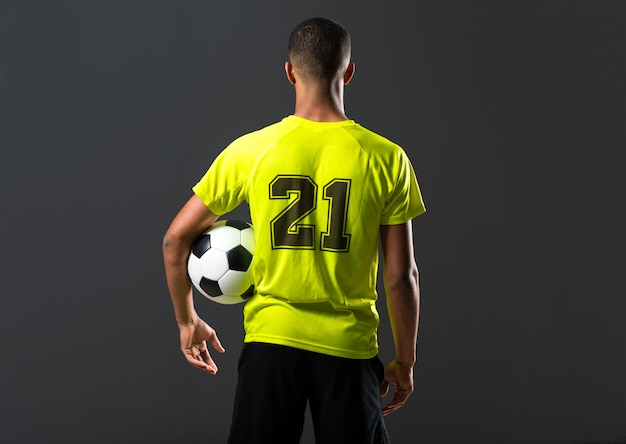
{"x":320,"y":103}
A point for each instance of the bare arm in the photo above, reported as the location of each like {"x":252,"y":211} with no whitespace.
{"x":188,"y":224}
{"x":401,"y":280}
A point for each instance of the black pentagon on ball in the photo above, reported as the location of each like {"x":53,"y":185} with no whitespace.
{"x":248,"y":293}
{"x":211,"y":287}
{"x":239,"y":258}
{"x":239,"y":224}
{"x":201,"y":245}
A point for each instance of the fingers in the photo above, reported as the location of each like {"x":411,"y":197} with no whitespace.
{"x":201,"y":360}
{"x":215,"y":342}
{"x":402,"y":380}
{"x":208,"y":334}
{"x":193,"y":341}
{"x":399,"y":399}
{"x":198,"y":355}
{"x":209,"y":364}
{"x":384,"y":388}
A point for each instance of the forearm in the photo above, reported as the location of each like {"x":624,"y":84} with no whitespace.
{"x":175,"y":258}
{"x":403,"y":305}
{"x":190,"y":221}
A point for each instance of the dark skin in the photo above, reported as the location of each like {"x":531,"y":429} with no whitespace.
{"x":401,"y":279}
{"x":188,"y":224}
{"x":320,"y":101}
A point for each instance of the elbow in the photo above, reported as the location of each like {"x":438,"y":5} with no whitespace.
{"x":405,"y":281}
{"x":172,"y":245}
{"x":169,"y":241}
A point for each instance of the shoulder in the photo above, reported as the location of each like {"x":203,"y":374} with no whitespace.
{"x":379,"y":148}
{"x":264,"y":135}
{"x":245,"y":151}
{"x":370,"y":139}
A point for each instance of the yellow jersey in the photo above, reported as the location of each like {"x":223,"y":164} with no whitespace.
{"x":318,"y":193}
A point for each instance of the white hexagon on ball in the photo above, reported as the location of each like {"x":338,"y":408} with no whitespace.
{"x":214,"y":264}
{"x":194,"y":268}
{"x":234,"y":282}
{"x":248,"y":239}
{"x":224,"y":238}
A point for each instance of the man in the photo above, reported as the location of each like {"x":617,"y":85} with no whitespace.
{"x":321,"y":190}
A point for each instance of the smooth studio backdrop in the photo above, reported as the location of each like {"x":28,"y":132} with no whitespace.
{"x":512,"y":113}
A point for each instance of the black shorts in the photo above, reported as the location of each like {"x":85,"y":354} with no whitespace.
{"x":275,"y":382}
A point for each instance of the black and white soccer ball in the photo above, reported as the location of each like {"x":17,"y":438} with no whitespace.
{"x":219,"y":262}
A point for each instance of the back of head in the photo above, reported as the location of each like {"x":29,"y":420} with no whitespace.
{"x":319,"y":49}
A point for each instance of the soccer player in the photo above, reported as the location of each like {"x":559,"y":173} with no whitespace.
{"x":321,"y":190}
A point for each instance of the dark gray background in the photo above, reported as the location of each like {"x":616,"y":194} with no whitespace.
{"x":512,"y":112}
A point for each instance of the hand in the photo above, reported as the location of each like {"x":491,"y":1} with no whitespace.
{"x":401,"y":376}
{"x":193,"y":339}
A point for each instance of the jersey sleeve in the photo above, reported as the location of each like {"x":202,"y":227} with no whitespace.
{"x":405,"y":200}
{"x":222,"y":188}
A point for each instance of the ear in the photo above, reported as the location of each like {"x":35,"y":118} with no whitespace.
{"x":290,"y":73}
{"x":347,"y":76}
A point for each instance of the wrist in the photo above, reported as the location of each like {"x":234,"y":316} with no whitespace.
{"x":185,"y":321}
{"x":405,"y":362}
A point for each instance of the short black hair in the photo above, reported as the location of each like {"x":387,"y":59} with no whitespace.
{"x":319,"y":48}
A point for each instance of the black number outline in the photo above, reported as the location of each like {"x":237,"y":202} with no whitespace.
{"x":336,"y":238}
{"x":286,"y":230}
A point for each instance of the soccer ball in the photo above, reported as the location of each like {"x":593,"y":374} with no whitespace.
{"x":219,"y":262}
